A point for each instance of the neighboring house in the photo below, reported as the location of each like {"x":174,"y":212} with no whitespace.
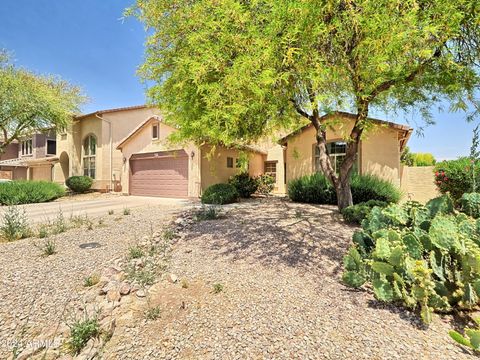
{"x":31,"y":158}
{"x":127,"y":150}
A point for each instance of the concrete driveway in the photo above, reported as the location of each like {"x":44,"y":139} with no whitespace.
{"x":38,"y":213}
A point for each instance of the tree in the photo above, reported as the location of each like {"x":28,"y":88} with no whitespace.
{"x":31,"y":103}
{"x":231,"y":71}
{"x":406,"y":157}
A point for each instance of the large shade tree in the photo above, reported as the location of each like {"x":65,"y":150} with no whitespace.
{"x":31,"y":103}
{"x":231,"y":71}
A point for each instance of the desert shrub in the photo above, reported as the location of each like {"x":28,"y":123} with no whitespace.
{"x":81,"y":331}
{"x":426,"y":257}
{"x":456,"y":176}
{"x":316,"y":189}
{"x":29,"y":192}
{"x":356,"y":213}
{"x":313,"y":189}
{"x":79,"y":184}
{"x":207,"y":213}
{"x":471,"y":339}
{"x":470,"y":204}
{"x":14,"y":224}
{"x":220,"y":194}
{"x":266,"y":184}
{"x":244,"y":184}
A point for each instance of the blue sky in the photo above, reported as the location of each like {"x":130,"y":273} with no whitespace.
{"x":88,"y":43}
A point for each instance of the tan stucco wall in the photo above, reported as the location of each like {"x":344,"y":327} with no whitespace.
{"x":214,"y":168}
{"x":142,"y":142}
{"x":418,"y":183}
{"x":41,"y":173}
{"x":379,"y":152}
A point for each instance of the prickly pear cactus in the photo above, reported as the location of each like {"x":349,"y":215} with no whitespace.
{"x":427,"y":257}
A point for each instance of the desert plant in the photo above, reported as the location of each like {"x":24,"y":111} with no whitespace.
{"x":207,"y":213}
{"x":316,"y":189}
{"x":457,"y":177}
{"x":470,"y":204}
{"x":49,"y":247}
{"x":126,"y":211}
{"x":78,"y":220}
{"x":91,"y":280}
{"x":14,"y":224}
{"x":356,"y":213}
{"x":27,"y":192}
{"x":59,"y":225}
{"x":244,"y":184}
{"x":111,"y":212}
{"x":79,"y":184}
{"x":81,"y":331}
{"x":184,"y":284}
{"x":142,"y":277}
{"x":152,"y":313}
{"x":135,"y":252}
{"x":266,"y":184}
{"x":220,"y":194}
{"x":426,"y":257}
{"x":471,"y":338}
{"x":43,"y":231}
{"x":217,"y":288}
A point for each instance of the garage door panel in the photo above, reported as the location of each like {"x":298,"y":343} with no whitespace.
{"x":159,"y":176}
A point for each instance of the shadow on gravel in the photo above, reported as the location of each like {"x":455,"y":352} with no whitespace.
{"x":279,"y":232}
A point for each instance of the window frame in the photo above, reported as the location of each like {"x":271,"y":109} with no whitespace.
{"x":46,"y":146}
{"x":27,"y":147}
{"x":155,"y":129}
{"x":229,"y":162}
{"x":271,"y":173}
{"x":89,"y":158}
{"x":334,"y":156}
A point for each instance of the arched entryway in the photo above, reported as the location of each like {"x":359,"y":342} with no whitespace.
{"x":65,"y":165}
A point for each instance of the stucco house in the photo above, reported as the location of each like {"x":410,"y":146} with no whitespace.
{"x":127,"y":150}
{"x":31,"y":158}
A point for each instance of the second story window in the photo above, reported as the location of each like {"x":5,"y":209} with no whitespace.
{"x":27,"y":147}
{"x":51,"y":147}
{"x":155,"y":132}
{"x":89,"y":156}
{"x":229,"y":162}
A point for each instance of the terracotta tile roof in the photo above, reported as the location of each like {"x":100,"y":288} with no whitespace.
{"x":106,"y":111}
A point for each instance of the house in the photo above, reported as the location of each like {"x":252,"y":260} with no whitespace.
{"x":30,"y":158}
{"x":379,"y":150}
{"x":127,"y":150}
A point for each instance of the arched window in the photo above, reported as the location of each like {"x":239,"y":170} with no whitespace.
{"x":89,"y":156}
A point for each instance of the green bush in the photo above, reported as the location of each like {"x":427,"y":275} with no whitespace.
{"x":244,"y":184}
{"x":81,"y":331}
{"x":28,"y":192}
{"x":356,"y":213}
{"x":316,"y":189}
{"x":14,"y":224}
{"x":456,"y":177}
{"x":470,"y":204}
{"x":266,"y":184}
{"x":426,"y":257}
{"x":220,"y":194}
{"x":79,"y":184}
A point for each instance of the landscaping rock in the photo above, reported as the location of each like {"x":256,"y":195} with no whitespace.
{"x":172,"y":278}
{"x":125,"y":288}
{"x":141,"y":293}
{"x":113,"y":296}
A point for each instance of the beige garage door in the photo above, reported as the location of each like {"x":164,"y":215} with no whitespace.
{"x":159,"y":174}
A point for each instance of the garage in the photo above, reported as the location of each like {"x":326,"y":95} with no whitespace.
{"x":163,"y":174}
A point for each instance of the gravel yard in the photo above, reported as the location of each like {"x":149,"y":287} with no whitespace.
{"x":276,"y":267}
{"x":280,"y":265}
{"x":37,"y":291}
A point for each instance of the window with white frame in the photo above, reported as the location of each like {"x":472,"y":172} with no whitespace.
{"x":154,"y":131}
{"x":27,"y":147}
{"x":89,"y":156}
{"x":271,"y":169}
{"x":337,"y":152}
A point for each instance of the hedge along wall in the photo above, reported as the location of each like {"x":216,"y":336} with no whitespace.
{"x":418,"y":183}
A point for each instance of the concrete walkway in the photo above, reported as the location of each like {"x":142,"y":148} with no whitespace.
{"x":38,"y":213}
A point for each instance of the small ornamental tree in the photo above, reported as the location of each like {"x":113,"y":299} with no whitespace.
{"x":31,"y":103}
{"x":232,"y":71}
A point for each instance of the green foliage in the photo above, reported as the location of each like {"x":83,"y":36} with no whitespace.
{"x":266,"y":184}
{"x":471,"y":338}
{"x":79,"y":184}
{"x":91,"y":280}
{"x":135,"y":252}
{"x":29,"y":192}
{"x":406,"y":157}
{"x":14,"y":224}
{"x":220,"y":194}
{"x":153,"y":313}
{"x":49,"y":247}
{"x":427,"y":257}
{"x":416,"y":159}
{"x":126,"y":211}
{"x":244,"y":184}
{"x":81,"y":331}
{"x":207,"y":213}
{"x":217,"y":288}
{"x":470,"y":204}
{"x":356,"y":213}
{"x":316,"y":189}
{"x":457,"y":177}
{"x":33,"y":103}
